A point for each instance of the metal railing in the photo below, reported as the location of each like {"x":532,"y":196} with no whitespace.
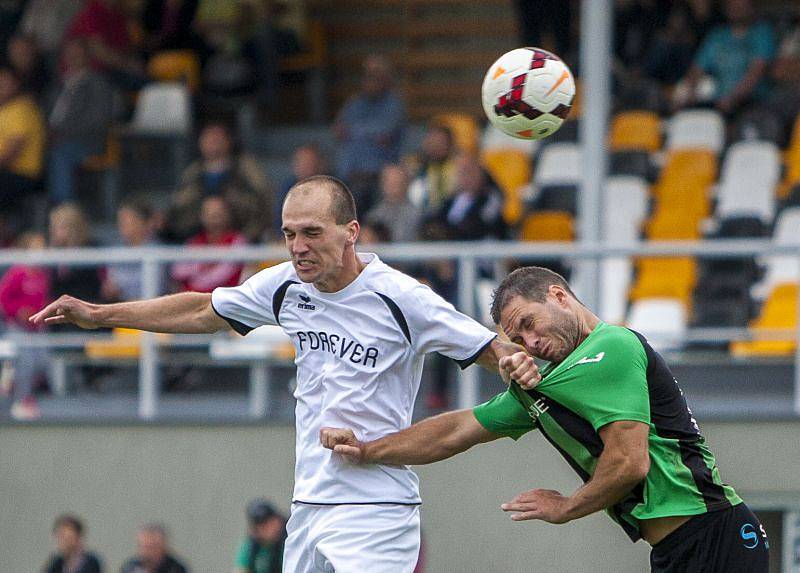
{"x":468,"y":256}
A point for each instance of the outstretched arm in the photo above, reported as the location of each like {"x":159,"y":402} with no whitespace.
{"x":188,"y":313}
{"x":512,"y":362}
{"x":428,"y":441}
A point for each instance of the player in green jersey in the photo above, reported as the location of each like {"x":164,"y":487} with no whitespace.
{"x":611,"y":407}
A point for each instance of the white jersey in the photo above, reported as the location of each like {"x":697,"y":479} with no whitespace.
{"x":359,"y":356}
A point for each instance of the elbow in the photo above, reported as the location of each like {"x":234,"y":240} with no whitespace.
{"x":638,"y":468}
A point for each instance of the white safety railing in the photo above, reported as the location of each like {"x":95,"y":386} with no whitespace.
{"x":468,"y":256}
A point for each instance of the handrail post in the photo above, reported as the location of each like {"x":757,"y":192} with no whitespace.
{"x":468,"y":379}
{"x":148,"y":351}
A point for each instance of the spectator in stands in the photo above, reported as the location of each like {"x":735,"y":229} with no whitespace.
{"x":307,"y":161}
{"x":735,"y":55}
{"x":47,"y":22}
{"x":104,"y":25}
{"x":785,"y":97}
{"x":435,"y":170}
{"x":221,"y":171}
{"x":168,"y":25}
{"x":22,"y":138}
{"x":475,"y":211}
{"x":72,"y":556}
{"x":369,"y":129}
{"x":394,"y":210}
{"x":262,"y":551}
{"x":23,"y":289}
{"x":217,"y":231}
{"x":79,"y":120}
{"x":70,"y":229}
{"x":153,"y":553}
{"x":135,"y":223}
{"x":375,"y":233}
{"x":24,"y":57}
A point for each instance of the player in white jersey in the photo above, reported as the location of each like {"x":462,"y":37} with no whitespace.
{"x":361,"y":330}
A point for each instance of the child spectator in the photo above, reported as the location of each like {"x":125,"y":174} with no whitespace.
{"x":23,"y":290}
{"x":262,"y":551}
{"x":71,"y":557}
{"x":217,"y":231}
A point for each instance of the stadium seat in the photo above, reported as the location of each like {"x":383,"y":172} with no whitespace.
{"x":176,"y":66}
{"x":567,"y":133}
{"x":495,"y":140}
{"x":635,"y":131}
{"x":558,"y":164}
{"x":547,"y":226}
{"x":634,"y":163}
{"x":557,"y":198}
{"x":792,"y":198}
{"x":782,"y":268}
{"x":511,"y":170}
{"x":673,"y":225}
{"x":698,"y":165}
{"x":696,"y":128}
{"x":779,"y":312}
{"x":720,"y":313}
{"x":616,"y":275}
{"x":466,"y":132}
{"x":665,"y":277}
{"x":163,"y":108}
{"x":628,"y":203}
{"x":123,"y":345}
{"x":662,"y":321}
{"x":685,"y":196}
{"x":749,"y":176}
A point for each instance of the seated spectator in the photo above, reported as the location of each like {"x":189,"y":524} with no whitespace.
{"x":369,"y":129}
{"x":375,"y":233}
{"x":72,"y":557}
{"x":23,"y":290}
{"x":217,"y":231}
{"x":307,"y":161}
{"x":475,"y":211}
{"x":79,"y":120}
{"x":104,"y":26}
{"x":22,"y":138}
{"x":435,"y":170}
{"x":735,"y":55}
{"x":394,"y":210}
{"x":225,"y":172}
{"x":24,"y":57}
{"x":153,"y":554}
{"x":262,"y":551}
{"x":123,"y":281}
{"x":168,"y":25}
{"x":70,"y":229}
{"x":46,"y":21}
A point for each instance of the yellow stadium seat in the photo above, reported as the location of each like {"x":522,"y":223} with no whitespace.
{"x":511,"y":169}
{"x":465,"y":129}
{"x":673,"y":225}
{"x":176,"y":66}
{"x":547,"y":226}
{"x":636,"y":130}
{"x":665,"y":277}
{"x":683,"y":196}
{"x":779,"y":312}
{"x":123,"y":345}
{"x":697,"y":165}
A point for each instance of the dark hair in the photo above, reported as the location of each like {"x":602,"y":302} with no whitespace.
{"x":531,"y":283}
{"x":343,"y":206}
{"x":443,"y":129}
{"x":71,"y":521}
{"x":259,"y":511}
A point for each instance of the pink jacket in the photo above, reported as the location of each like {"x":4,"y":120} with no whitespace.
{"x":24,"y":290}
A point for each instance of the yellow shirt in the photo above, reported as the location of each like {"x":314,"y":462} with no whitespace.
{"x":21,"y":117}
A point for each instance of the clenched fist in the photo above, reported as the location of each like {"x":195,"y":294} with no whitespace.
{"x":521,"y":368}
{"x":343,"y":441}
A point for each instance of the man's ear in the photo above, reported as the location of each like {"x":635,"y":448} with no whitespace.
{"x":560,"y":294}
{"x":353,"y":228}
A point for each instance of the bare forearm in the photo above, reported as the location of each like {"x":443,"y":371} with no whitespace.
{"x":612,"y":481}
{"x":431,"y":440}
{"x":188,"y":313}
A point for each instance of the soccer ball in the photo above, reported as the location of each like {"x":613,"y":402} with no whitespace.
{"x":527,"y":93}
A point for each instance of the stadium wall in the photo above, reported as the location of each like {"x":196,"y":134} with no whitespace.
{"x":198,"y":479}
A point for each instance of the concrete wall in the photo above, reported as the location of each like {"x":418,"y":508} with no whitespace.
{"x":197,"y":480}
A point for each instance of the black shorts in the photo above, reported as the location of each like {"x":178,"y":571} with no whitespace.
{"x":730,"y":540}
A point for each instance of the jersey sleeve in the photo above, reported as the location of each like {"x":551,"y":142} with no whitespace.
{"x":613,"y":388}
{"x":504,"y":415}
{"x":254,"y":303}
{"x":436,"y":326}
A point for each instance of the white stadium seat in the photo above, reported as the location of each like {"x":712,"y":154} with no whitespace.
{"x":493,"y":139}
{"x":626,"y":205}
{"x":558,"y":164}
{"x":696,"y":128}
{"x":662,"y":321}
{"x":163,"y":108}
{"x":781,"y":268}
{"x":747,"y":184}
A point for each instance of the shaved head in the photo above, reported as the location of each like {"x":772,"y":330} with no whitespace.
{"x":342,"y":206}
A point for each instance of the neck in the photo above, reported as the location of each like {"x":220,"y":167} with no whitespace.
{"x":587,"y":322}
{"x":349,"y":271}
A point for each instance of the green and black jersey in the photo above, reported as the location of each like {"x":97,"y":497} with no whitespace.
{"x":615,"y":375}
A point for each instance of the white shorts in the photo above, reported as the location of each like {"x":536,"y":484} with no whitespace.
{"x":352,"y":539}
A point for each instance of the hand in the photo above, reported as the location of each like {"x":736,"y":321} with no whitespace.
{"x":343,"y":442}
{"x":67,"y":310}
{"x":545,"y":504}
{"x":521,"y":368}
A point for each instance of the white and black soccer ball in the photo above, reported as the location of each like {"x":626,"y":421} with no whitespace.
{"x":527,"y":93}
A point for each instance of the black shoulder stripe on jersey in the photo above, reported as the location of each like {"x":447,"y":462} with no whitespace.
{"x":579,"y":428}
{"x":471,"y":360}
{"x":398,"y":315}
{"x":582,"y":473}
{"x":238,"y":327}
{"x":277,"y":299}
{"x":713,"y":493}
